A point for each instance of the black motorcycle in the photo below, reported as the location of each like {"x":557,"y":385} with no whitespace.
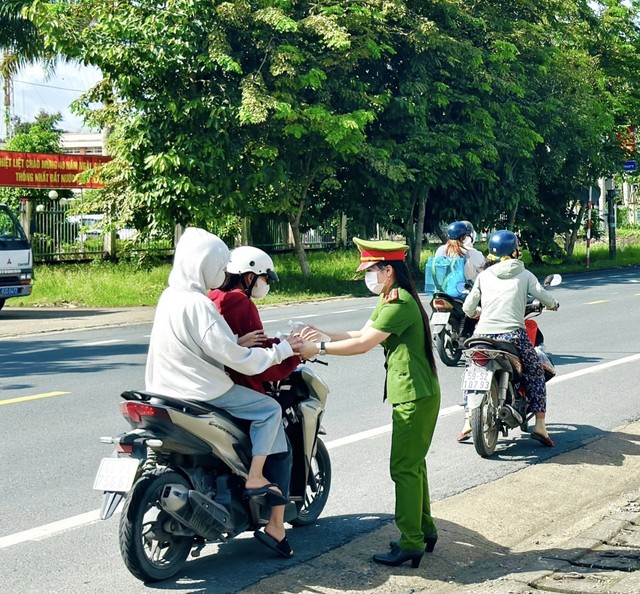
{"x":449,"y":327}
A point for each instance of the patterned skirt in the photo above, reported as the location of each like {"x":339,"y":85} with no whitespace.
{"x":533,"y":375}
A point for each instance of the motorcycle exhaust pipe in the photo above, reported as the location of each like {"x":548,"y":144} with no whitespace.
{"x":174,"y":498}
{"x":510,"y":416}
{"x":196,"y":511}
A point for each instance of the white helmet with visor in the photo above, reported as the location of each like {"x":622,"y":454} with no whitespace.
{"x":247,"y":258}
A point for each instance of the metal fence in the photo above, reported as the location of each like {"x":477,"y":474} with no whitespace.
{"x":57,"y":236}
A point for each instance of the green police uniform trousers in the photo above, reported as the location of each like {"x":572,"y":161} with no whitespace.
{"x":413,"y":426}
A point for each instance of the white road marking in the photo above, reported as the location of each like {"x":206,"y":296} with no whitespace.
{"x":370,"y":433}
{"x":49,"y":530}
{"x":31,"y":352}
{"x":101,"y":342}
{"x":594,"y":369}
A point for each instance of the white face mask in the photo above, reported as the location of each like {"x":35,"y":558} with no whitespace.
{"x":468,"y":242}
{"x":260,"y":289}
{"x":371,"y":280}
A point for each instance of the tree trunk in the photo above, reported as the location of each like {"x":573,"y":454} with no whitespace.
{"x":512,"y":214}
{"x":571,"y":238}
{"x":294,"y":222}
{"x":342,"y":242}
{"x":422,"y":208}
{"x":410,"y":234}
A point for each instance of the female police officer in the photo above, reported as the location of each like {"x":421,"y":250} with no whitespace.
{"x":401,"y":325}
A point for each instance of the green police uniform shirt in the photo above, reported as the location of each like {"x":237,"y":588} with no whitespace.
{"x":409,"y":375}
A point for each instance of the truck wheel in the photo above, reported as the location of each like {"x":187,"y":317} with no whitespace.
{"x":2,"y":303}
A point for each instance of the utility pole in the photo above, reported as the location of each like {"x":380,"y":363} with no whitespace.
{"x":7,"y":87}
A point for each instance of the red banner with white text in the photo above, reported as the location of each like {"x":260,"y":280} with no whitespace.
{"x":44,"y":170}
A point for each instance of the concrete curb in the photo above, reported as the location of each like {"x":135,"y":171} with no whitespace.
{"x":576,"y":533}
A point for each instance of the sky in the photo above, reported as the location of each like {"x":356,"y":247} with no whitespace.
{"x":34,"y":90}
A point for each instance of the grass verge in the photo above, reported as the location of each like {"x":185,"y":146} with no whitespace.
{"x":105,"y":284}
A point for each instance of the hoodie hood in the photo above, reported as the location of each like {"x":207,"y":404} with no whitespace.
{"x":199,"y":262}
{"x":507,"y":268}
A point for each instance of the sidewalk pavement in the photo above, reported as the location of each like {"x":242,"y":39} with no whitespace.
{"x":25,"y":321}
{"x":570,"y":524}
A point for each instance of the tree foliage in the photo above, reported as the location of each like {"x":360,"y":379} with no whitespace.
{"x":400,"y":113}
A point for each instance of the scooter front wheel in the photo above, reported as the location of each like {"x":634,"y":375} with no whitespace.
{"x":448,"y":347}
{"x":317,"y":490}
{"x":484,"y":423}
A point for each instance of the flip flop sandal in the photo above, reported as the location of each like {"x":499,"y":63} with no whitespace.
{"x":282,"y":547}
{"x":464,"y":436}
{"x":272,"y":497}
{"x":547,"y":442}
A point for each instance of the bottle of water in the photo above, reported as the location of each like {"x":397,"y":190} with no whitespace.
{"x":297,"y":326}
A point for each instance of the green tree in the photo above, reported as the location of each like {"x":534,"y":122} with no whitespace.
{"x":40,"y":136}
{"x":218,"y":106}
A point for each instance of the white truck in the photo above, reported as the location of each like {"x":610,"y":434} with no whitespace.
{"x":16,"y":258}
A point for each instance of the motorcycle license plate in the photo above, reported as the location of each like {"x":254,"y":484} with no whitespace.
{"x":439,"y":318}
{"x":476,"y":379}
{"x":116,"y":474}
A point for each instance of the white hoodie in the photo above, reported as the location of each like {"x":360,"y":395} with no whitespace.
{"x":502,"y":291}
{"x":190,"y":341}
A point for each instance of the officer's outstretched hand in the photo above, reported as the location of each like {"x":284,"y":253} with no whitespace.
{"x":306,"y":350}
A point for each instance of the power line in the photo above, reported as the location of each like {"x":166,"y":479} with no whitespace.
{"x":24,"y":82}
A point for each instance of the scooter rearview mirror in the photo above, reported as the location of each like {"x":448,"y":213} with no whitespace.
{"x":553,"y":280}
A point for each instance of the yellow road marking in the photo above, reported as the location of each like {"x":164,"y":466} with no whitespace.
{"x":596,"y":302}
{"x":34,"y":397}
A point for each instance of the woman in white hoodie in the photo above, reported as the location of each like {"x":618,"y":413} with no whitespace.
{"x":502,"y":290}
{"x":190,"y":346}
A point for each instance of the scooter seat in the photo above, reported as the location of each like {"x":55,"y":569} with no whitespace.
{"x":485,"y":341}
{"x":197,"y":407}
{"x":447,"y":297}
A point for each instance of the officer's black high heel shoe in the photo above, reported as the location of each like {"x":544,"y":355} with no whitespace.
{"x":398,"y":556}
{"x":429,"y":541}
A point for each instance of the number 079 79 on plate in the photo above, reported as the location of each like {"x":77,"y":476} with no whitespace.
{"x":475,"y":379}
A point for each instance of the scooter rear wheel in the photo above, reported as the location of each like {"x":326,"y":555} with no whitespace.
{"x":484,"y":423}
{"x":448,"y":347}
{"x":150,"y":552}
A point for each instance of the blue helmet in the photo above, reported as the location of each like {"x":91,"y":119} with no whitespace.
{"x":472,"y":231}
{"x":457,"y":230}
{"x":503,"y":243}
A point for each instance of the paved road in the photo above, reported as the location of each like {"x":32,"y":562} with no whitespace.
{"x":50,"y":452}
